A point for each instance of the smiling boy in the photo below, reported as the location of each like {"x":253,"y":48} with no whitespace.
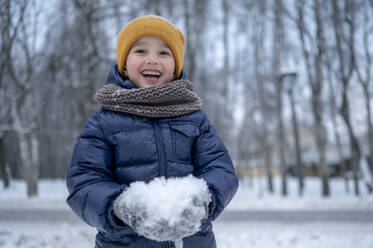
{"x":150,"y":125}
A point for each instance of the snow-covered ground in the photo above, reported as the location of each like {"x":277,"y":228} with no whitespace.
{"x":228,"y":235}
{"x":251,"y":195}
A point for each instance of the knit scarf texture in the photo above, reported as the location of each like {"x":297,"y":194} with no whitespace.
{"x":168,"y":100}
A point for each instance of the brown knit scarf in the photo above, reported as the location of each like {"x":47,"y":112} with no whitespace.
{"x":172,"y":99}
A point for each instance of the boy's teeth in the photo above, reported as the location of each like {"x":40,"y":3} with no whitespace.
{"x":151,"y":73}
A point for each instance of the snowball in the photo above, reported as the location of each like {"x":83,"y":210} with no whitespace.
{"x":165,"y":209}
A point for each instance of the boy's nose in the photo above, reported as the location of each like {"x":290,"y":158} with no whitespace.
{"x":151,"y":59}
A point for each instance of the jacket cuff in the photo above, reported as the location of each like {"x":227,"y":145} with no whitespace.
{"x":113,"y":220}
{"x":211,"y":206}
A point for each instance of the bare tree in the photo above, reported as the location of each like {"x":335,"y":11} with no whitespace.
{"x":313,"y":46}
{"x":258,"y":38}
{"x":344,"y":30}
{"x":289,"y":82}
{"x":6,"y":42}
{"x":224,"y":110}
{"x":3,"y":168}
{"x":278,"y":50}
{"x":76,"y":65}
{"x":195,"y":13}
{"x":18,"y":38}
{"x":334,"y":116}
{"x":364,"y":74}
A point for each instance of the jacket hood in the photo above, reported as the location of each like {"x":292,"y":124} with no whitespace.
{"x":115,"y":77}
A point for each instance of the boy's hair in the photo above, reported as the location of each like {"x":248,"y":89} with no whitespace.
{"x":151,"y":25}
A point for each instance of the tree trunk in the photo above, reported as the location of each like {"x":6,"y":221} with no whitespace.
{"x":333,"y":113}
{"x":354,"y":144}
{"x":281,"y":137}
{"x":226,"y":117}
{"x":298,"y":152}
{"x":194,"y":21}
{"x":189,"y":56}
{"x":278,"y":40}
{"x":370,"y":131}
{"x":3,"y":170}
{"x":22,"y":90}
{"x":321,"y":146}
{"x":344,"y":17}
{"x":365,"y":82}
{"x":317,"y":101}
{"x":313,"y":59}
{"x":267,"y":151}
{"x":29,"y":147}
{"x":258,"y":42}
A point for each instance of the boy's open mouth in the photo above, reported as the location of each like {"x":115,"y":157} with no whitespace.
{"x":151,"y":74}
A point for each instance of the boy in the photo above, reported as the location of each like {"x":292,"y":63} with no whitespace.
{"x":150,"y":125}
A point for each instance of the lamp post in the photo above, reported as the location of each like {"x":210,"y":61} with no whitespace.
{"x":289,"y":80}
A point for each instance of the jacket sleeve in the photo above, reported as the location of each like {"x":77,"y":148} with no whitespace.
{"x":213,"y":163}
{"x":90,"y":181}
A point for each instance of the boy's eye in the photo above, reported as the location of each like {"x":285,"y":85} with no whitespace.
{"x":140,"y":51}
{"x":165,"y":53}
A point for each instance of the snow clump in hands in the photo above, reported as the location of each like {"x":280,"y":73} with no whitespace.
{"x":165,"y":209}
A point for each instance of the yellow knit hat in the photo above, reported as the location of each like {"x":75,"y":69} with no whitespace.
{"x":151,"y":25}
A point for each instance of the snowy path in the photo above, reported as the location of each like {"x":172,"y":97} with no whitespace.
{"x":228,"y":235}
{"x":286,"y":216}
{"x":234,"y":229}
{"x":293,"y":235}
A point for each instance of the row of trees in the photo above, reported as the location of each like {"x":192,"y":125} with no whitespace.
{"x":244,"y":56}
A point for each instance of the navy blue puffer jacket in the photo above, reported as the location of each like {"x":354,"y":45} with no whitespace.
{"x":116,"y":149}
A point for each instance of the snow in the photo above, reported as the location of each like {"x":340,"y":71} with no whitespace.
{"x":250,"y":196}
{"x":367,"y":175}
{"x":164,"y":209}
{"x":166,"y":199}
{"x":228,"y":235}
{"x":305,"y":235}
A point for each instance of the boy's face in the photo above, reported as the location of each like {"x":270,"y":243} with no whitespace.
{"x":150,"y":63}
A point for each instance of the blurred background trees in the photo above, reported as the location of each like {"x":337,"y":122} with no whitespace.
{"x":286,"y":83}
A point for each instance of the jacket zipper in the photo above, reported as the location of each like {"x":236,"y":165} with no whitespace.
{"x":167,"y":244}
{"x":162,"y":168}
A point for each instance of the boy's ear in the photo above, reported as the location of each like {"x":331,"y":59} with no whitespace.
{"x":125,"y":72}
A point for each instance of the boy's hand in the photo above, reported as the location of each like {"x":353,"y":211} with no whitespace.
{"x":132,"y":217}
{"x":164,"y":214}
{"x":136,"y":218}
